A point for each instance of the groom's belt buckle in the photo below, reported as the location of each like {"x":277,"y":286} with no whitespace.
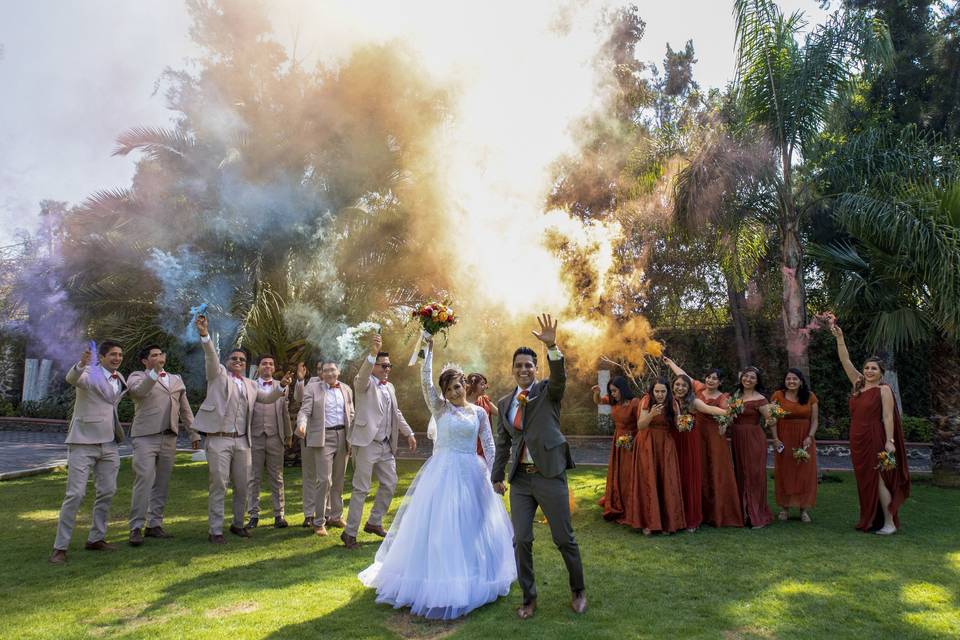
{"x":529,"y":468}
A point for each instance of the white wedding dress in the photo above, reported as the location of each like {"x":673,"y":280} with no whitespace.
{"x":450,"y":547}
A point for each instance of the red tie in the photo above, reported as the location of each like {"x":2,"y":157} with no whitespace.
{"x":335,"y":385}
{"x":268,"y":383}
{"x":518,"y":416}
{"x":163,"y":374}
{"x":383,"y":382}
{"x":115,"y":376}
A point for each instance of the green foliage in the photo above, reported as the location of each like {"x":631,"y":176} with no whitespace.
{"x":56,"y":407}
{"x":7,"y":408}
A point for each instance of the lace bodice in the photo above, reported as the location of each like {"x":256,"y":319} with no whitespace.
{"x":457,"y":427}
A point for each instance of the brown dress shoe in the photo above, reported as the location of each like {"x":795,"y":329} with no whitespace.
{"x":307,"y":522}
{"x":136,"y":538}
{"x":349,"y":541}
{"x":217,"y":538}
{"x":375,"y":529}
{"x":321,"y":531}
{"x":526,"y":609}
{"x":240,"y":531}
{"x":156,"y":532}
{"x":59,"y":556}
{"x":99,"y":545}
{"x":336,"y":523}
{"x":578,"y":601}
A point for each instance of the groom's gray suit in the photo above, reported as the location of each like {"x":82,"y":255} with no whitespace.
{"x":542,"y":483}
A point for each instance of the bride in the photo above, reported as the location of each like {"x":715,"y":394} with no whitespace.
{"x":450,"y":547}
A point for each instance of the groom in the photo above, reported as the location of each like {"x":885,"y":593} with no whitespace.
{"x":529,"y":436}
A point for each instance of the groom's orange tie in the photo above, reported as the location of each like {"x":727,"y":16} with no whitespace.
{"x":518,"y":416}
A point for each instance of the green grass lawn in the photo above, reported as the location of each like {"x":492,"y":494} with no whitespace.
{"x":788,"y":581}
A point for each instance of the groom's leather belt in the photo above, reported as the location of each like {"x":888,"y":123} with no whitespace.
{"x":529,"y":468}
{"x":339,"y":427}
{"x":226,"y":434}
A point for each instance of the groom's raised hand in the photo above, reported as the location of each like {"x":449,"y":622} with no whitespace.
{"x":548,"y":330}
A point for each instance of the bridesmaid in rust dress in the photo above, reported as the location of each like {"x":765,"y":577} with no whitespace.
{"x":720,"y":497}
{"x":656,"y":501}
{"x":476,"y":385}
{"x":689,"y":450}
{"x":875,"y":428}
{"x":625,"y":410}
{"x":795,"y":480}
{"x":750,"y":449}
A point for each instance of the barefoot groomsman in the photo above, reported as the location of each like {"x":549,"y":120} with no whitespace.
{"x":92,"y":446}
{"x":377,"y":426}
{"x":271,"y":435}
{"x":529,"y":438}
{"x":161,"y":409}
{"x":225,"y":418}
{"x":324,"y":423}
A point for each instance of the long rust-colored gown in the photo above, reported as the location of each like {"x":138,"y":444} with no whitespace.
{"x":721,"y":500}
{"x":867,"y":439}
{"x":795,"y":483}
{"x":486,"y":404}
{"x":690,"y":456}
{"x":750,"y":464}
{"x":621,"y":468}
{"x":656,"y":500}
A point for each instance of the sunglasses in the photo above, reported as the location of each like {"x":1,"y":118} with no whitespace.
{"x":236,"y":359}
{"x":385,"y":366}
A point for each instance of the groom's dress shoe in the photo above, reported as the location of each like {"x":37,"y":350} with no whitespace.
{"x":350,"y":542}
{"x":578,"y":601}
{"x":526,"y":609}
{"x":375,"y":529}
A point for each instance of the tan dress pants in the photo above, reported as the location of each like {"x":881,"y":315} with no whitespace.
{"x":267,"y":452}
{"x":153,"y":460}
{"x":228,"y":460}
{"x":103,"y":460}
{"x":375,"y":459}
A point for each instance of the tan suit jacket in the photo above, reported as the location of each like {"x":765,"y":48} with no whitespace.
{"x":369,"y":414}
{"x":311,"y":415}
{"x":211,"y":418}
{"x":95,"y":418}
{"x":153,"y":401}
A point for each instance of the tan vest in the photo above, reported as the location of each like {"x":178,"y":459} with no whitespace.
{"x":235,"y":418}
{"x":264,"y":420}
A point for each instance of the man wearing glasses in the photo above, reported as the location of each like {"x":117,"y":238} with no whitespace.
{"x":225,"y":418}
{"x":373,"y":440}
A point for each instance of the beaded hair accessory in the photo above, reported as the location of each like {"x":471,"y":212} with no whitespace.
{"x":451,"y":366}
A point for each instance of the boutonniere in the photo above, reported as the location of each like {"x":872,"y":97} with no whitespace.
{"x":523,"y":400}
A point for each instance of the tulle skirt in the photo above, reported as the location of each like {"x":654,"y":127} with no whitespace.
{"x":450,"y":547}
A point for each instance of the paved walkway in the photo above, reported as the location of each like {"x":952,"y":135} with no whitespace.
{"x":23,"y":452}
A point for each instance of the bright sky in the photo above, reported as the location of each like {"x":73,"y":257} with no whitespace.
{"x":77,"y":73}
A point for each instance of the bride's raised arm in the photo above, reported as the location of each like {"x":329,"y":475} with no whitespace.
{"x":430,"y":395}
{"x":486,"y":438}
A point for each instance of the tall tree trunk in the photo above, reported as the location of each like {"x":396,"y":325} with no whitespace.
{"x":793,"y":309}
{"x":890,"y":377}
{"x":741,"y":328}
{"x":946,"y":419}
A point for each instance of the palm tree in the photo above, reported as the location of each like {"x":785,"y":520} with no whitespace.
{"x":899,"y":265}
{"x":786,"y":90}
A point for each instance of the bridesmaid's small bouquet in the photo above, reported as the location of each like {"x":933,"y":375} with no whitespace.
{"x":724,"y":422}
{"x":777,"y":412}
{"x":801,"y":455}
{"x":886,"y":461}
{"x":685,"y":423}
{"x":736,"y":407}
{"x":624,"y":442}
{"x":434,"y":317}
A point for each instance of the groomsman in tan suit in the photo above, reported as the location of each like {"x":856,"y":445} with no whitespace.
{"x":160,"y":407}
{"x":373,"y":439}
{"x":324,"y":422}
{"x":272,"y":433}
{"x":92,"y":446}
{"x":225,"y":418}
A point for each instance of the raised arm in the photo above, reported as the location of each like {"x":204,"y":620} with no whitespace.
{"x":79,"y":375}
{"x":677,"y":371}
{"x":140,"y":384}
{"x":848,"y":367}
{"x":362,"y":382}
{"x":648,"y":414}
{"x":211,"y":361}
{"x":430,"y":395}
{"x":558,"y":375}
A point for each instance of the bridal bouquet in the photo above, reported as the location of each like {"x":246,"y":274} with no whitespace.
{"x":800,"y":455}
{"x":685,"y":423}
{"x":886,"y":461}
{"x":434,"y":318}
{"x":624,"y":442}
